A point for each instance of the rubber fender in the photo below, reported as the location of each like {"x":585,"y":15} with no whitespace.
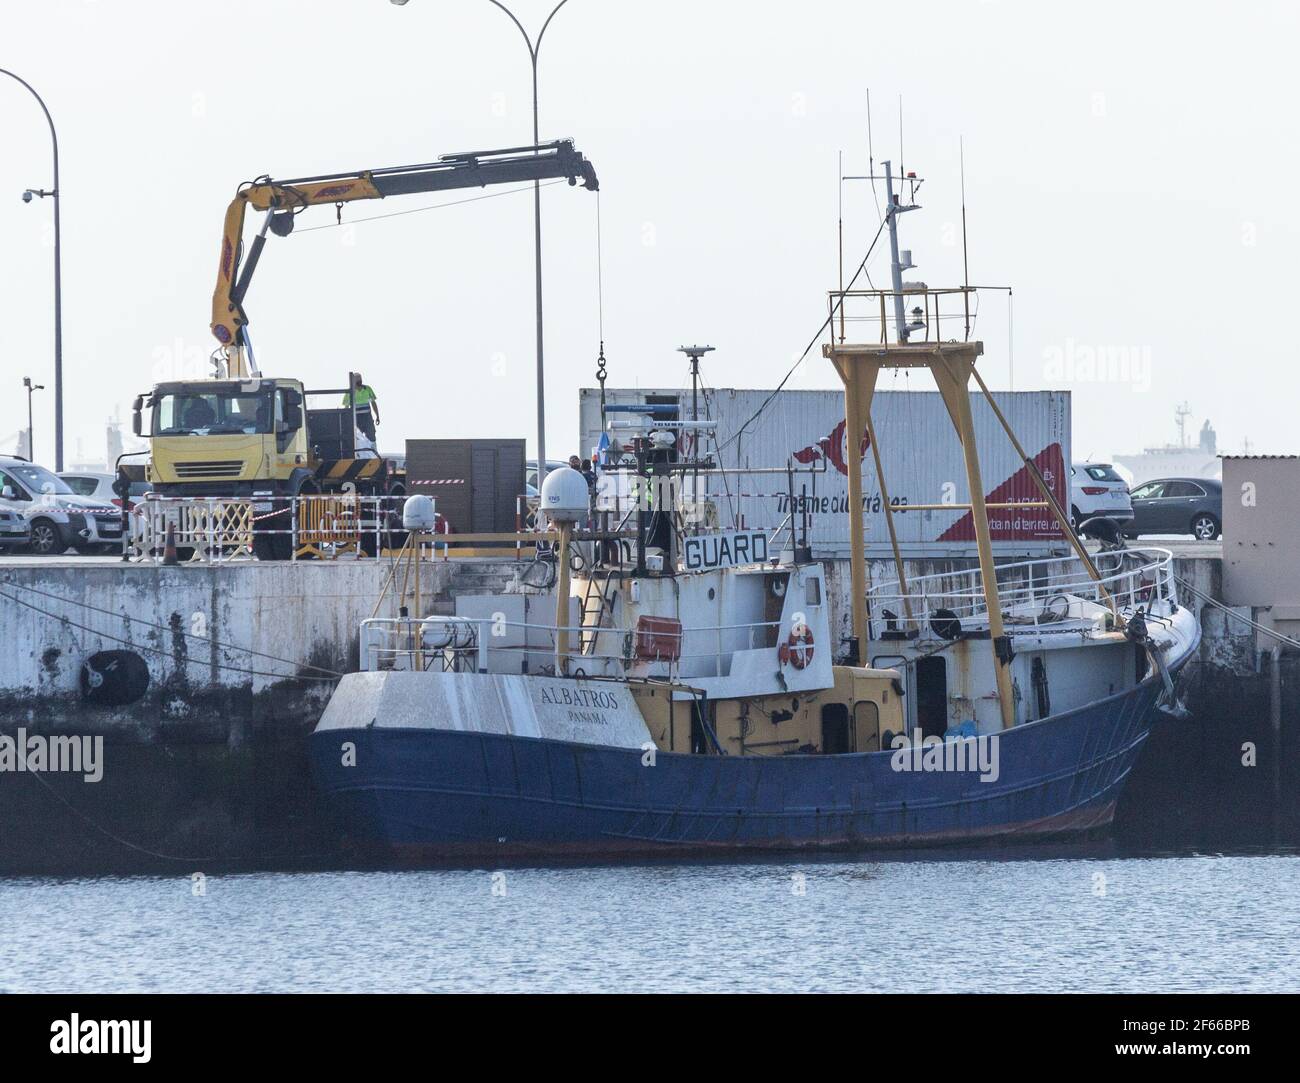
{"x":114,"y":678}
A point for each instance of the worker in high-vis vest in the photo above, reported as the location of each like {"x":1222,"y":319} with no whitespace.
{"x":367,"y":405}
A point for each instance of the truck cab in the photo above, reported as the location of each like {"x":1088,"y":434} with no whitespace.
{"x":227,"y":438}
{"x":255,"y":439}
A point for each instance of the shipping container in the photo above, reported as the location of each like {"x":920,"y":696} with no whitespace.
{"x":795,"y":445}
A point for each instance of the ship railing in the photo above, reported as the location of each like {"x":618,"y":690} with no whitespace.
{"x":932,"y":315}
{"x":496,"y":644}
{"x":1049,"y":593}
{"x":723,"y":640}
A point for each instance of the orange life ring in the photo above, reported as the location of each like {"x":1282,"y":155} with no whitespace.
{"x":798,"y":648}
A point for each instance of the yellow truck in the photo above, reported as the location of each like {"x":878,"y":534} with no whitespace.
{"x":257,"y":439}
{"x":241,"y":434}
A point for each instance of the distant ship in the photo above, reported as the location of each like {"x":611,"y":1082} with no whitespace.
{"x":1180,"y":460}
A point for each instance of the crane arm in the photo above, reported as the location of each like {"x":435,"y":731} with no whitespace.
{"x":281,"y":200}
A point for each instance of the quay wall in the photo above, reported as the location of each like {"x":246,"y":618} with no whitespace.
{"x":207,"y":767}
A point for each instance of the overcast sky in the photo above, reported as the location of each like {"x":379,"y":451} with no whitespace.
{"x":1130,"y":171}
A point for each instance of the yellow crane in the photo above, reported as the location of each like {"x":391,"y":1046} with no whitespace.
{"x":283,"y":200}
{"x":241,"y":434}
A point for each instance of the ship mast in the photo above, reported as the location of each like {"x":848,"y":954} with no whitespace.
{"x":899,"y":261}
{"x":952,"y":364}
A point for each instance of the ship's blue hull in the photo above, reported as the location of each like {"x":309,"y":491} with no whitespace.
{"x":425,"y":794}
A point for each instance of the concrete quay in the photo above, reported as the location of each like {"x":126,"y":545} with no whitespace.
{"x":205,"y":767}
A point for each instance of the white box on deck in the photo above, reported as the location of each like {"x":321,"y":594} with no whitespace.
{"x":513,"y":615}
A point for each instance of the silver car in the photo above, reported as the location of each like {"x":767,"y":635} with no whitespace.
{"x":57,"y":517}
{"x":14,"y":531}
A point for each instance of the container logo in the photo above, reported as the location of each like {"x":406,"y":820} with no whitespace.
{"x":1019,"y":524}
{"x":831,"y":448}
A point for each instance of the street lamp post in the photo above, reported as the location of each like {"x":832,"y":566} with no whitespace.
{"x":57,"y":195}
{"x":533,"y":48}
{"x":27,"y":383}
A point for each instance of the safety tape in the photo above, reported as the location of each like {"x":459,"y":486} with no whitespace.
{"x":269,"y":514}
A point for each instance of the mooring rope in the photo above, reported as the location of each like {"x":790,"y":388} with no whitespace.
{"x":159,"y":651}
{"x":172,"y":631}
{"x":1262,"y":628}
{"x":117,"y":838}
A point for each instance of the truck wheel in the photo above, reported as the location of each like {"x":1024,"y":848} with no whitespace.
{"x":265,"y":547}
{"x":280,"y":546}
{"x":47,"y":538}
{"x":268,"y":545}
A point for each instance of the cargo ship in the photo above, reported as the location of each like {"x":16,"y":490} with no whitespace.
{"x":677,"y":688}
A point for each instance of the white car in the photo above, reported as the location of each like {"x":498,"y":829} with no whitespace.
{"x":100,"y":487}
{"x":95,"y":486}
{"x":1096,"y":491}
{"x":58,"y":517}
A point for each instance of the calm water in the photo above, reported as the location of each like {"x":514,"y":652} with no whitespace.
{"x":1169,"y":923}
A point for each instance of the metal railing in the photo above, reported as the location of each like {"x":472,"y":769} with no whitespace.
{"x":936,"y":315}
{"x":473,"y":644}
{"x":1047,"y":593}
{"x":219,"y":529}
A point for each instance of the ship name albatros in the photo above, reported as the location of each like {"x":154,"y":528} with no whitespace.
{"x":579,"y":697}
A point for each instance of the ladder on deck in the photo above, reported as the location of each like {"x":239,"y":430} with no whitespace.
{"x":597,"y":602}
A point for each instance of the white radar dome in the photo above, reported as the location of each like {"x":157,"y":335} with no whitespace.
{"x":565,"y":497}
{"x":418,"y":513}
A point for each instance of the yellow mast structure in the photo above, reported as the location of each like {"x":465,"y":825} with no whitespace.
{"x":952,"y":364}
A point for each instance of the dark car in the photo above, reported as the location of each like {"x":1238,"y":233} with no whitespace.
{"x":1177,"y":506}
